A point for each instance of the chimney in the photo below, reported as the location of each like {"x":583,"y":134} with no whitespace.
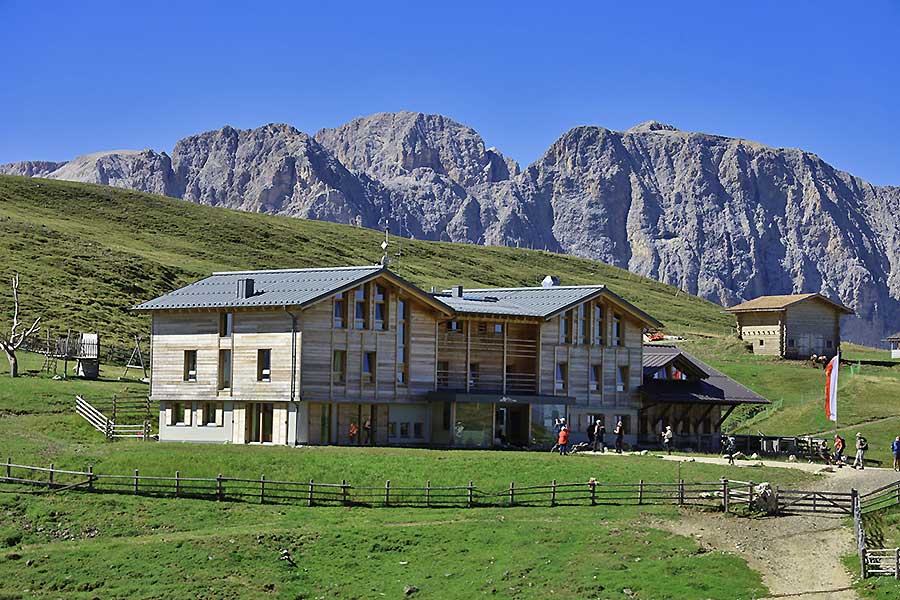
{"x":244,"y":288}
{"x":456,"y":291}
{"x":550,"y":281}
{"x":433,"y":290}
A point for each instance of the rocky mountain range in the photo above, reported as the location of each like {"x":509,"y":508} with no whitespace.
{"x":723,"y":218}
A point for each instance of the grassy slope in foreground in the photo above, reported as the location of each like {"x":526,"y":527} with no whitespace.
{"x":88,"y":252}
{"x":176,"y":548}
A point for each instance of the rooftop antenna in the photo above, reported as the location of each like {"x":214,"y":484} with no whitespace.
{"x":384,"y":246}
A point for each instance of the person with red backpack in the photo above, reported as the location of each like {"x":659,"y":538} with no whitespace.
{"x":839,"y":446}
{"x":563,"y":440}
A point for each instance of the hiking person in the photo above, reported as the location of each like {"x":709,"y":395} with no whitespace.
{"x":619,"y":432}
{"x":563,"y":441}
{"x":354,"y":430}
{"x":839,"y":445}
{"x":367,"y":431}
{"x":895,"y":450}
{"x":599,"y":435}
{"x":823,"y":452}
{"x":590,"y":431}
{"x":668,"y":437}
{"x":729,"y":448}
{"x":558,"y":425}
{"x":862,"y":444}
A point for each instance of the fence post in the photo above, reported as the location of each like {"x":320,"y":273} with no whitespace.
{"x":896,"y":563}
{"x":512,"y":493}
{"x":387,"y":492}
{"x":725,"y":494}
{"x":90,"y":477}
{"x":219,"y":492}
{"x":593,"y":493}
{"x":177,"y":483}
{"x":428,"y":493}
{"x":680,"y":492}
{"x":262,"y":488}
{"x":114,"y":407}
{"x":136,"y":479}
{"x":9,"y":468}
{"x":51,"y":474}
{"x":641,"y":491}
{"x":553,"y":493}
{"x":750,"y":495}
{"x":469,"y":498}
{"x":862,"y":558}
{"x":309,"y":499}
{"x":344,"y":492}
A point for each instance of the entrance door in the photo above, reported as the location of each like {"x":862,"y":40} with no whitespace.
{"x":259,"y":423}
{"x":512,"y":425}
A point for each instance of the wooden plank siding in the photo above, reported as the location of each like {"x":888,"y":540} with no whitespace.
{"x":798,"y":331}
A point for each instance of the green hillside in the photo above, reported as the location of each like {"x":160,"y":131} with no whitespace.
{"x":86,"y":253}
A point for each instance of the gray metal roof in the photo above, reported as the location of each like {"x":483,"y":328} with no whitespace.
{"x":283,"y":287}
{"x":542,"y":302}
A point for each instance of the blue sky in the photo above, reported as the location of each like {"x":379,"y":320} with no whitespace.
{"x":87,"y":76}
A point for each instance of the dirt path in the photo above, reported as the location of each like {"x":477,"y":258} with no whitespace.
{"x":797,"y":556}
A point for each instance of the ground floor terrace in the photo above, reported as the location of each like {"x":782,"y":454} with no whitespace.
{"x":470,"y":421}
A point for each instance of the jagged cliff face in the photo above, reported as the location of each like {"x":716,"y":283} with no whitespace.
{"x":719,"y":217}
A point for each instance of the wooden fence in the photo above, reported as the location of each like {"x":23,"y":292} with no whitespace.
{"x":881,"y":498}
{"x":724,"y":494}
{"x":118,"y":417}
{"x":801,"y":501}
{"x":876,"y":561}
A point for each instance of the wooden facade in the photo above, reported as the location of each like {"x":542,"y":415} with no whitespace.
{"x":397,"y":367}
{"x":791,"y":326}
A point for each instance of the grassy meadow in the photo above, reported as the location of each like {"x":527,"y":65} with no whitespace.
{"x":69,"y":543}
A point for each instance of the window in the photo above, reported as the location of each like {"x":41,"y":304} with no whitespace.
{"x":392,"y":429}
{"x":791,"y":343}
{"x":596,"y":376}
{"x":474,"y":374}
{"x":762,"y":342}
{"x":190,"y":365}
{"x":369,"y":366}
{"x":445,"y":416}
{"x":417,"y":430}
{"x":340,"y":311}
{"x":224,"y":369}
{"x":210,"y":414}
{"x":402,"y":341}
{"x":565,"y":328}
{"x":360,"y":312}
{"x":617,"y":331}
{"x":381,"y":307}
{"x":622,"y":379}
{"x":828,"y":343}
{"x":561,"y":377}
{"x":598,"y":324}
{"x":453,"y":327}
{"x":498,"y":328}
{"x":264,"y":365}
{"x":339,"y":367}
{"x":181,"y":413}
{"x":226,"y":324}
{"x":404,"y":430}
{"x":580,"y":324}
{"x":443,"y":374}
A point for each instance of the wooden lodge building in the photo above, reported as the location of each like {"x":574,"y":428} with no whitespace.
{"x":792,"y":326}
{"x":300,"y":356}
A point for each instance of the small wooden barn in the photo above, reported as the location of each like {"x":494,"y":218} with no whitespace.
{"x":894,"y":342}
{"x":791,"y":326}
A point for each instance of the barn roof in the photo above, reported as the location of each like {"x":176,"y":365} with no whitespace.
{"x":775,"y":303}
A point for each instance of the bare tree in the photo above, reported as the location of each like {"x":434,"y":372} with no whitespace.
{"x":16,"y":338}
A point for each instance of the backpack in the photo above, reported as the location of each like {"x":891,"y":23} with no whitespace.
{"x":863,"y":443}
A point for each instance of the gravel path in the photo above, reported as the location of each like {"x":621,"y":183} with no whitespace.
{"x":797,"y":556}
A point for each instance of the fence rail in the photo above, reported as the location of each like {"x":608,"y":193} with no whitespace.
{"x":801,"y":501}
{"x":723,"y":494}
{"x":881,"y":498}
{"x":132,"y":408}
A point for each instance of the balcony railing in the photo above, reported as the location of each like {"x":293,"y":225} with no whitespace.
{"x":516,"y":383}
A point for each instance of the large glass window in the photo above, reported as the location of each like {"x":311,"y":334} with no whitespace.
{"x":211,"y":414}
{"x":598,"y":323}
{"x":340,"y":311}
{"x":622,"y":379}
{"x":580,"y":324}
{"x":474,"y":423}
{"x":226,"y":324}
{"x":339,"y":367}
{"x":360,"y":311}
{"x":562,"y":377}
{"x":402,"y":342}
{"x":617,"y":330}
{"x":565,"y":328}
{"x":381,"y":307}
{"x":596,"y":377}
{"x":368,"y":368}
{"x":543,"y":419}
{"x":224,"y":369}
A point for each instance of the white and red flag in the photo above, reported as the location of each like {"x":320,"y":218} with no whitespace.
{"x":831,"y":386}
